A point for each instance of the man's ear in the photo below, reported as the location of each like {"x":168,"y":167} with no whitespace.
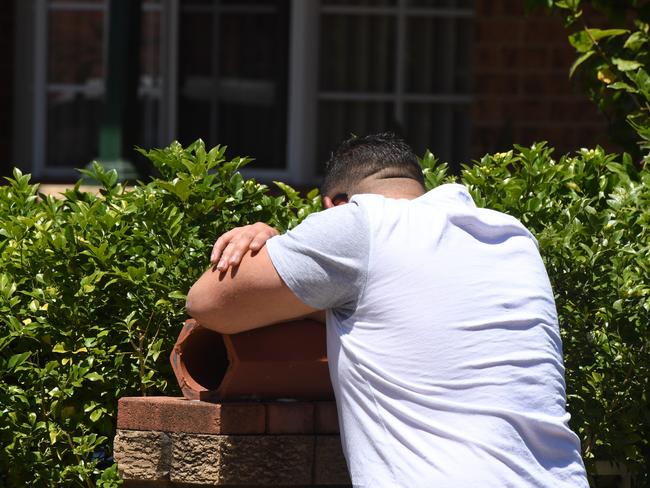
{"x":339,"y":199}
{"x":327,"y":202}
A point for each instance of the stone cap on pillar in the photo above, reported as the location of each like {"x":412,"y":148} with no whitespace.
{"x":177,"y":414}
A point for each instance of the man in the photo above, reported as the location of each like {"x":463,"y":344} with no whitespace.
{"x":443,"y":340}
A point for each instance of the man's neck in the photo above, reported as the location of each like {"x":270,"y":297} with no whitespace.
{"x":405,"y":188}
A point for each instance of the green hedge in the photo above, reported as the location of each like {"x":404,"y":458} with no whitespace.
{"x":92,"y":295}
{"x":92,"y":292}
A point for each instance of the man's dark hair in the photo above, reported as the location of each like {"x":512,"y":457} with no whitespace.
{"x":359,"y":157}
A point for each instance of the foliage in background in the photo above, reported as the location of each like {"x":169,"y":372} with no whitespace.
{"x":612,"y":43}
{"x":92,"y":291}
{"x":591,"y":215}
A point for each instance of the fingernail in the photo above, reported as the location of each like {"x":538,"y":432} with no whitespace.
{"x":221,"y":265}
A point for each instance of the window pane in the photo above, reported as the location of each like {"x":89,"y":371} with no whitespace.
{"x":192,"y":3}
{"x":73,"y":128}
{"x":250,"y":45}
{"x":76,"y":79}
{"x":150,"y":46}
{"x":338,"y":120}
{"x":357,"y":53}
{"x":441,"y":128}
{"x":438,"y":53}
{"x":194,"y":116}
{"x":460,"y":4}
{"x":195,"y":82}
{"x":253,"y":72}
{"x":196,"y":45}
{"x":148,"y":129}
{"x":75,"y":41}
{"x":233,"y":83}
{"x":247,"y":3}
{"x":150,"y":86}
{"x":79,"y":3}
{"x":367,"y":3}
{"x":75,"y":86}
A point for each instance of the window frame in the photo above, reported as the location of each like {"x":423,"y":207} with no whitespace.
{"x":36,"y":154}
{"x":400,"y":96}
{"x":301,"y":167}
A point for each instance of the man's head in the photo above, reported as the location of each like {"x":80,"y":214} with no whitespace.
{"x":377,"y":163}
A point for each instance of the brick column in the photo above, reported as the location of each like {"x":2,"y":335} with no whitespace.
{"x":166,"y":441}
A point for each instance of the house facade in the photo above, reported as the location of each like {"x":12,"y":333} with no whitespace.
{"x":281,"y":80}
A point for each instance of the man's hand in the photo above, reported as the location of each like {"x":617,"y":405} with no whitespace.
{"x":231,"y":246}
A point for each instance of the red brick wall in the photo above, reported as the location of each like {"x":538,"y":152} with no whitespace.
{"x":522,"y":90}
{"x":7,"y":23}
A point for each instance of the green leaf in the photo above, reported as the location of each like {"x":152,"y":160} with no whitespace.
{"x":53,"y":433}
{"x":95,"y":415}
{"x":642,"y":81}
{"x":136,"y":274}
{"x":626,"y":64}
{"x":94,"y":377}
{"x":579,"y":61}
{"x":584,"y":40}
{"x":621,"y":85}
{"x":581,"y":41}
{"x":636,"y":41}
{"x":598,"y":34}
{"x":17,"y":359}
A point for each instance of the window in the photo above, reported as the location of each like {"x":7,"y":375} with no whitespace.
{"x":400,"y":65}
{"x":233,"y":69}
{"x":74,"y":85}
{"x":283,"y":81}
{"x":68,"y":72}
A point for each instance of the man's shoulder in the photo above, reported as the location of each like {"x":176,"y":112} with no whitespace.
{"x":349,"y":212}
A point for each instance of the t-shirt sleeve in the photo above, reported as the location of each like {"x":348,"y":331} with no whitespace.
{"x":324,"y":259}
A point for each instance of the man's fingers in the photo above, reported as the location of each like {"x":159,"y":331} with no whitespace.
{"x":231,"y":246}
{"x":257,"y":243}
{"x":260,"y":239}
{"x":220,"y":245}
{"x":235,"y":250}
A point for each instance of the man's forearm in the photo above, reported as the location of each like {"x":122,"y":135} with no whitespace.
{"x":248,"y":296}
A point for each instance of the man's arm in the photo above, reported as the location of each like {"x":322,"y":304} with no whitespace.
{"x":244,"y":297}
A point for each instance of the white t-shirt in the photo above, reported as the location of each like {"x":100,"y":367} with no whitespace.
{"x":442,"y":340}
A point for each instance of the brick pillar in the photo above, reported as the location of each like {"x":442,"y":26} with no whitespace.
{"x":166,"y":441}
{"x":522,"y":89}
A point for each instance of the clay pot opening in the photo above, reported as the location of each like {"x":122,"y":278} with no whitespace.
{"x":205,"y":358}
{"x":287,"y":360}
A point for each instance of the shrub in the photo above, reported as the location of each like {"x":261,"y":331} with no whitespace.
{"x":92,"y":293}
{"x":613,"y":62}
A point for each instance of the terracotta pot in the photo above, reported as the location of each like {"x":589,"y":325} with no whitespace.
{"x":286,"y":360}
